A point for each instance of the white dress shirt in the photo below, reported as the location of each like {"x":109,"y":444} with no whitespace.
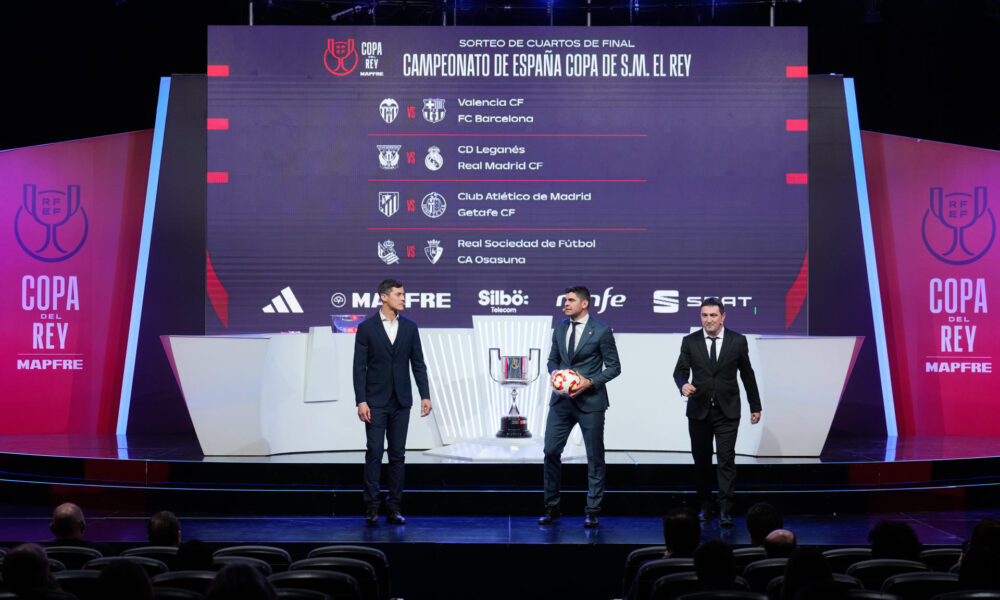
{"x":391,"y":326}
{"x":579,"y":331}
{"x":718,"y":342}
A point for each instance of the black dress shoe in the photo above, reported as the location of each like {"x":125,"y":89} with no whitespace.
{"x":552,"y":514}
{"x":395,"y":518}
{"x":591,"y":520}
{"x":371,"y":516}
{"x":725,"y":519}
{"x":707,"y":510}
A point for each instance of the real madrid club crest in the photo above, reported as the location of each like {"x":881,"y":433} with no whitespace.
{"x":388,"y":203}
{"x":433,"y":251}
{"x":388,"y":109}
{"x":433,"y":205}
{"x":433,"y":160}
{"x":388,"y":156}
{"x":433,"y":110}
{"x":387,"y":252}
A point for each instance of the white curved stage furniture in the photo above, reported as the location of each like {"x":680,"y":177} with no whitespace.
{"x":288,"y":393}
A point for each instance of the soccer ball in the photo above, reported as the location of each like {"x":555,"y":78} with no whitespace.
{"x":565,"y":381}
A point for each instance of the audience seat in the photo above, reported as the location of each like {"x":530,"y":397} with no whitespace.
{"x":840,"y":559}
{"x":671,"y":586}
{"x":873,"y":573}
{"x":744,"y":556}
{"x":871,"y":595}
{"x":189,"y":580}
{"x":844,"y":581}
{"x":921,"y":586}
{"x":373,"y":556}
{"x":940,"y":559}
{"x":724,"y":595}
{"x":278,"y":558}
{"x":172,"y":593}
{"x":297,"y":594}
{"x":82,"y":584}
{"x":221,"y":561}
{"x":339,"y":586}
{"x":652,"y":570}
{"x":166,"y":554}
{"x":73,"y":557}
{"x":358,"y":569}
{"x":632,"y":562}
{"x":42,"y":595}
{"x":760,"y":573}
{"x":969,"y":595}
{"x":152,"y":566}
{"x":54,"y":565}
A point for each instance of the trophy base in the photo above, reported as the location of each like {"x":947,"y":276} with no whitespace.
{"x":513,"y":426}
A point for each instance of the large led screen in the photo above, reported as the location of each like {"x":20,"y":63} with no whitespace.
{"x":488,"y":168}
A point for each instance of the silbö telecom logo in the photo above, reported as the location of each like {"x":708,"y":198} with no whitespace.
{"x":962,"y":229}
{"x":51,"y":225}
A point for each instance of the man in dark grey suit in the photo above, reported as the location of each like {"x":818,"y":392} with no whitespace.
{"x":711,"y":356}
{"x":385,"y":347}
{"x":587,"y":346}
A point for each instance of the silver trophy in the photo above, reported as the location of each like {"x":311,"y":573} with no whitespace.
{"x":515,"y":372}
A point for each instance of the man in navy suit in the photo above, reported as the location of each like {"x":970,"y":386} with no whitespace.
{"x":711,"y":356}
{"x":586,"y":346}
{"x":385,"y":348}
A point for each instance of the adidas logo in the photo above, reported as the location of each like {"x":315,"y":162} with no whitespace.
{"x":284,"y":303}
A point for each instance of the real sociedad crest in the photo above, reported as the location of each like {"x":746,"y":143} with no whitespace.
{"x":434,"y":110}
{"x":389,"y":109}
{"x":388,"y":156}
{"x":433,"y":251}
{"x":388,"y":203}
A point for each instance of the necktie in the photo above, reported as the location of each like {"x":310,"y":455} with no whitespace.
{"x":711,"y":353}
{"x":571,"y":349}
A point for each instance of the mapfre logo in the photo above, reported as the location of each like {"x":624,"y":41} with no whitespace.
{"x":413,"y":300}
{"x":601,"y":302}
{"x":340,"y":58}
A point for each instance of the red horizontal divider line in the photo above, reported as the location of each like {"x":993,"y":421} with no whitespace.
{"x":507,"y":229}
{"x":218,"y":124}
{"x":531,"y":180}
{"x":218,"y":177}
{"x":797,"y":124}
{"x":509,"y":134}
{"x":796,"y":178}
{"x":796,"y":71}
{"x":218,"y":71}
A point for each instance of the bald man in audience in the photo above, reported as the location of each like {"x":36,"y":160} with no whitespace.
{"x":780,"y":543}
{"x":68,"y":525}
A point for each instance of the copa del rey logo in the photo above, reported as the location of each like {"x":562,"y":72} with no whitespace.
{"x":340,"y":58}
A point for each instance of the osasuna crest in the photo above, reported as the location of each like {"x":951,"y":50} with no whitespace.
{"x":388,"y":156}
{"x":433,"y":205}
{"x":387,"y":252}
{"x":433,"y":251}
{"x":433,"y":110}
{"x":388,"y":203}
{"x":388,"y":109}
{"x":433,"y":160}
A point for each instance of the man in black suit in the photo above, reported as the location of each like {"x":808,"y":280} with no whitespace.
{"x":587,"y":346}
{"x":711,"y":357}
{"x":385,"y":347}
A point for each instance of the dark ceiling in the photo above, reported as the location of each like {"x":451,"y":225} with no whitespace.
{"x":924,"y":68}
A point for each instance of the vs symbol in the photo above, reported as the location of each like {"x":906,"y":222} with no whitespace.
{"x":340,"y":58}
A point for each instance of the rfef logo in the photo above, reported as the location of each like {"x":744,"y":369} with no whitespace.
{"x":340,"y":58}
{"x":962,"y":229}
{"x":51,"y":225}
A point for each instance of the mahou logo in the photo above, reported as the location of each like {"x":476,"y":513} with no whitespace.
{"x":340,"y":58}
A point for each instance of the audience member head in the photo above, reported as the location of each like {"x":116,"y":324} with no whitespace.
{"x":986,"y":534}
{"x":894,"y":539}
{"x":26,"y":568}
{"x":124,"y":579}
{"x":240,"y":581}
{"x":780,"y":543}
{"x":713,"y":563}
{"x":805,"y":566}
{"x":980,"y":569}
{"x":68,"y":522}
{"x":164,"y":529}
{"x":762,"y":519}
{"x":681,"y":532}
{"x":193,"y":555}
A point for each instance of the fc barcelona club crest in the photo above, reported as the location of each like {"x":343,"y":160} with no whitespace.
{"x":433,"y":110}
{"x":433,"y":251}
{"x":388,"y":203}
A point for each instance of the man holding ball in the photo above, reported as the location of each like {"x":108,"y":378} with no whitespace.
{"x":586,"y":346}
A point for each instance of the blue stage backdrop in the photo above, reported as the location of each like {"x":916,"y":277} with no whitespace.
{"x":488,"y":168}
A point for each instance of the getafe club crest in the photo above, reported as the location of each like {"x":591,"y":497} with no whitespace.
{"x":387,"y":252}
{"x":388,"y":109}
{"x":433,"y":205}
{"x":433,"y":251}
{"x":433,"y":110}
{"x":433,"y":160}
{"x":388,"y":203}
{"x":388,"y":156}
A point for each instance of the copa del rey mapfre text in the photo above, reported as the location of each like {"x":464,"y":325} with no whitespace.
{"x":50,"y":298}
